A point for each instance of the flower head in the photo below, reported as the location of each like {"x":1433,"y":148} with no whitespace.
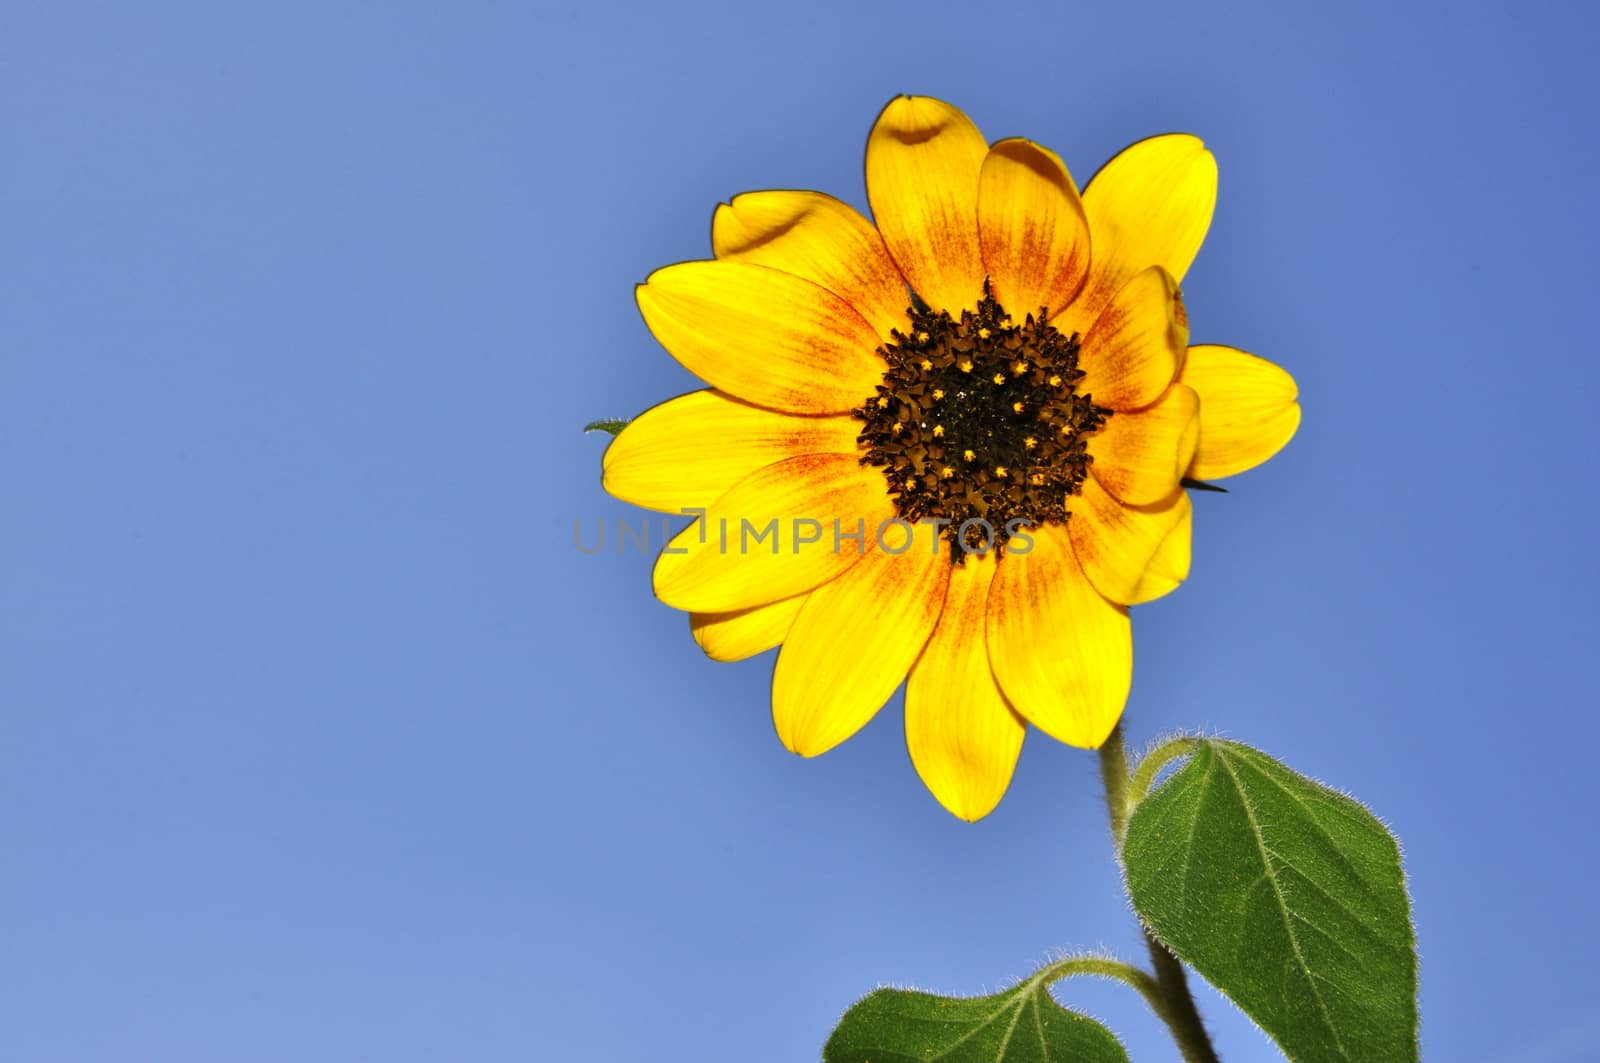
{"x":948,"y":448}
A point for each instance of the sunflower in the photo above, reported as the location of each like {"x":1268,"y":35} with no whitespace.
{"x":950,"y":448}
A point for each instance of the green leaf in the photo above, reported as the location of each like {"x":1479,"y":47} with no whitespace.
{"x":1286,"y":896}
{"x":612,"y":425}
{"x":1021,"y":1025}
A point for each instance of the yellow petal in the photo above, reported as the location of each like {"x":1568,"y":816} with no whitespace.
{"x":1115,"y":542}
{"x":1248,"y":409}
{"x":963,"y":737}
{"x":1133,"y":350}
{"x":1149,"y":206}
{"x":744,"y":632}
{"x":767,"y":336}
{"x":1140,"y":456}
{"x":854,"y":641}
{"x":923,"y":162}
{"x":1170,"y":565}
{"x":689,"y":450}
{"x":773,"y":535}
{"x":1032,"y":229}
{"x":821,"y":239}
{"x":1062,"y":653}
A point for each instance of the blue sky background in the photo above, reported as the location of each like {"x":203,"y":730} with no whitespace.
{"x":320,"y":741}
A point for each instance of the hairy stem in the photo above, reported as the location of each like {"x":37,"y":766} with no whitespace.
{"x":1177,"y":1006}
{"x":1159,"y":757}
{"x":1104,"y":967}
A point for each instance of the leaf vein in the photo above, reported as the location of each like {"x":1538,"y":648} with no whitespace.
{"x":1283,"y":906}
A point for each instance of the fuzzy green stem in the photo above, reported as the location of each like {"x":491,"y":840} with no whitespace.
{"x":1159,"y":757}
{"x":1114,"y":774}
{"x":1177,"y":1006}
{"x":1104,"y":967}
{"x":1182,"y":1017}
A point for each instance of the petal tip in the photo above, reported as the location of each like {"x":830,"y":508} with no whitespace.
{"x":970,"y":810}
{"x":803,"y":745}
{"x":667,"y":580}
{"x":967,"y":797}
{"x":1087,"y":734}
{"x":916,"y":119}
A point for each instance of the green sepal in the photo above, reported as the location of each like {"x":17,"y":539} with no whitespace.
{"x":1286,"y":896}
{"x":1021,"y":1025}
{"x":613,"y":425}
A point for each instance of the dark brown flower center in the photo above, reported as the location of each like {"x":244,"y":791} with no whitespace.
{"x":978,"y":423}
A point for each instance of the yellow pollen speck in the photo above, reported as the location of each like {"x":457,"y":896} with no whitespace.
{"x":938,"y":431}
{"x":927,"y":364}
{"x":999,"y":378}
{"x":946,"y":473}
{"x":969,"y":455}
{"x":910,"y":485}
{"x":984,"y":334}
{"x":1016,"y":407}
{"x":883,"y":402}
{"x":1055,"y":381}
{"x":1030,"y":442}
{"x":1038,"y":479}
{"x":966,"y":365}
{"x":938,"y":393}
{"x":922,"y":337}
{"x":1000,"y":471}
{"x":896,"y":428}
{"x":1019,"y":367}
